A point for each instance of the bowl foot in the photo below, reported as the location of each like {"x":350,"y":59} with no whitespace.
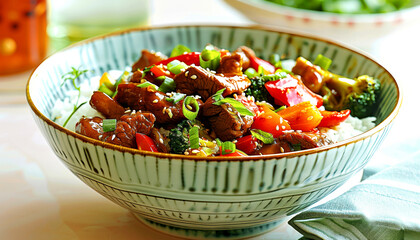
{"x":185,"y":233}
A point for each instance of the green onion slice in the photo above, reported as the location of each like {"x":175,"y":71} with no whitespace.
{"x":265,"y":137}
{"x":176,"y":66}
{"x":176,"y":97}
{"x":104,"y":88}
{"x":146,"y":84}
{"x":323,"y":62}
{"x":109,"y":125}
{"x":251,"y":73}
{"x":179,"y":50}
{"x":190,"y":108}
{"x":210,"y":59}
{"x":280,"y":108}
{"x":228,"y":147}
{"x":194,"y":137}
{"x":168,"y":85}
{"x":122,"y":78}
{"x":275,"y":59}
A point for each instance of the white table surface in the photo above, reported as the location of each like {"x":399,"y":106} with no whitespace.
{"x":41,"y":199}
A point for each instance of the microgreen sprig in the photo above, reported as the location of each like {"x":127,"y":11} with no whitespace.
{"x":72,"y":76}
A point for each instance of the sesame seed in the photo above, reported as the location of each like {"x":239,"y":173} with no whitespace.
{"x":113,"y":137}
{"x":186,"y":153}
{"x":282,"y":149}
{"x":127,"y":111}
{"x":277,"y":127}
{"x":164,"y":110}
{"x":100,"y":137}
{"x":283,"y":127}
{"x":161,"y":140}
{"x":310,"y":118}
{"x":194,"y":77}
{"x":195,"y":151}
{"x":155,"y":101}
{"x":186,"y":73}
{"x":133,"y":112}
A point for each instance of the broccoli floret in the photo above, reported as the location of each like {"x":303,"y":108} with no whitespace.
{"x":257,"y":88}
{"x":359,"y":94}
{"x":179,"y":137}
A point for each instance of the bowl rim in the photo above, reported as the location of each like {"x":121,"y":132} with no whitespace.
{"x":376,"y":18}
{"x":379,"y":127}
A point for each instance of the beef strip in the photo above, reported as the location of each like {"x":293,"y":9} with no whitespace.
{"x":137,"y":77}
{"x":196,"y":80}
{"x":225,"y":120}
{"x":231,"y":63}
{"x":147,"y":58}
{"x":304,"y":140}
{"x":106,"y":105}
{"x":246,"y":53}
{"x":147,"y":99}
{"x":291,"y":141}
{"x":125,"y":132}
{"x":159,"y":140}
{"x":90,"y":127}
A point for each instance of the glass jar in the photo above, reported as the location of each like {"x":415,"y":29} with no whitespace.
{"x":70,"y":21}
{"x":23,"y":38}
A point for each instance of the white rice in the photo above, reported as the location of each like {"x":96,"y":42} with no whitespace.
{"x":62,"y":109}
{"x":351,"y":127}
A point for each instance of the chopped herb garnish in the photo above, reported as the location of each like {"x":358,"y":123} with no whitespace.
{"x":265,"y":137}
{"x":73,"y":75}
{"x":240,"y":107}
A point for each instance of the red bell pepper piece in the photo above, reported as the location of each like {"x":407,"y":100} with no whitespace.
{"x":256,"y":62}
{"x":248,"y":144}
{"x":302,"y":116}
{"x":333,"y":118}
{"x":237,"y":153}
{"x":188,"y":58}
{"x":271,"y":122}
{"x":290,"y":91}
{"x":249,"y":104}
{"x":157,"y":71}
{"x":145,"y":143}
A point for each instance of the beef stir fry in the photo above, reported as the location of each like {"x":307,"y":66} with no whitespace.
{"x":220,"y":102}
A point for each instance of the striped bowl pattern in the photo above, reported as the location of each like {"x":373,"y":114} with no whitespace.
{"x":207,"y":197}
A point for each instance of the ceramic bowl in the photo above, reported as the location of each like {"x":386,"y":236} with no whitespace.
{"x":360,"y":30}
{"x":216,"y":197}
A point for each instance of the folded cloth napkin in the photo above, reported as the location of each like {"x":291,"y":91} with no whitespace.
{"x":383,"y":206}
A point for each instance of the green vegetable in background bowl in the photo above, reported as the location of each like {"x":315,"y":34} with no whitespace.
{"x":346,"y":6}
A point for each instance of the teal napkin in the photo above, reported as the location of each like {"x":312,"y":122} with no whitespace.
{"x":384,"y":206}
